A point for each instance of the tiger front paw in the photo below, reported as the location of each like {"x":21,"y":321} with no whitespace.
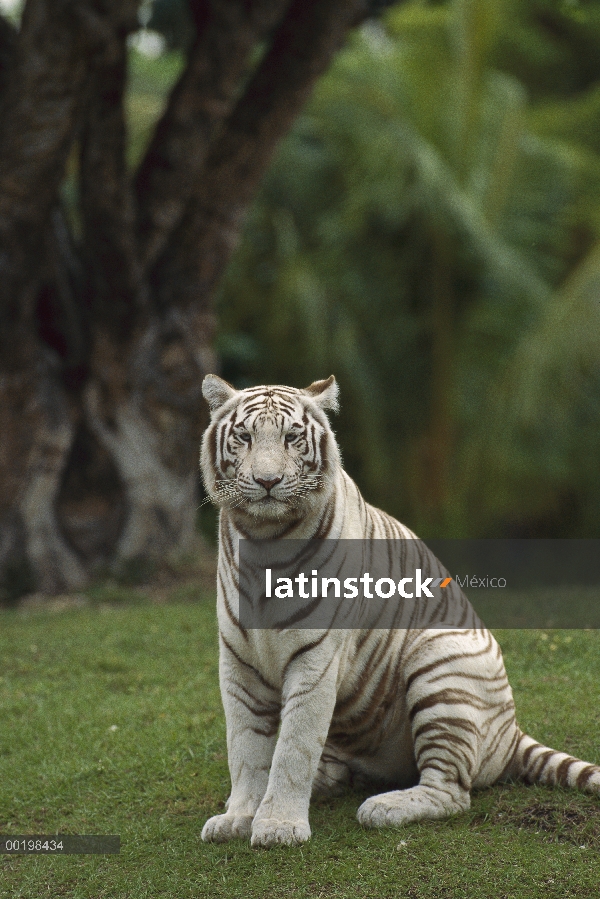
{"x":222,"y":828}
{"x":267,"y":832}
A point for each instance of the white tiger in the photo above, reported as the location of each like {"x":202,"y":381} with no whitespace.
{"x":427,"y":711}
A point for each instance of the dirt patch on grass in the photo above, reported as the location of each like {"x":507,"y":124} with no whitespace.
{"x":559,"y":818}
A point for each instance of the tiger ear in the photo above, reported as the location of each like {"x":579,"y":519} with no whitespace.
{"x":216,"y":391}
{"x":324,"y":393}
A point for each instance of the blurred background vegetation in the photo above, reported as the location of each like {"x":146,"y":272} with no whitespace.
{"x":430,"y":233}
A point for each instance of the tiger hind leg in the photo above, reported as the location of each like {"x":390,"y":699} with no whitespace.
{"x":333,"y":774}
{"x":446,"y":763}
{"x":434,"y":797}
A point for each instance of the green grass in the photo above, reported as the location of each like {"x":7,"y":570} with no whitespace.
{"x":111,"y":722}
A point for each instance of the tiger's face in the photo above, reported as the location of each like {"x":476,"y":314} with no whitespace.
{"x":268,"y":452}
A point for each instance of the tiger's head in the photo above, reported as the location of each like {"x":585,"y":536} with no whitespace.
{"x":269,"y":452}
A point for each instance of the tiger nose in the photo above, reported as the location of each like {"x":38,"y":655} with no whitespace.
{"x":267,"y":484}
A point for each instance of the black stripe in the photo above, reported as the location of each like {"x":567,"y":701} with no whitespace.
{"x":584,"y":776}
{"x":448,"y":697}
{"x":250,"y":667}
{"x":301,"y":651}
{"x":425,"y":669}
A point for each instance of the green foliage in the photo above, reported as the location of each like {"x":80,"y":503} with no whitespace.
{"x":551,"y":45}
{"x":150,"y":81}
{"x":418,"y":234}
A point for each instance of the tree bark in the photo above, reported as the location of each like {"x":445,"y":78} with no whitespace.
{"x":44,"y":76}
{"x":109,"y":250}
{"x":228,"y":31}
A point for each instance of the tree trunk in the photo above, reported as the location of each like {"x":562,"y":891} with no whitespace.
{"x":43,"y":78}
{"x":37,"y":425}
{"x":105,"y":337}
{"x":143,"y":404}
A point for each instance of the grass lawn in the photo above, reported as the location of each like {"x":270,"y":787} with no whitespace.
{"x":111,"y":723}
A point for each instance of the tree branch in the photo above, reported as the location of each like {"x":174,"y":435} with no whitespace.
{"x":8,"y":37}
{"x":200,"y":247}
{"x":109,"y":246}
{"x":48,"y":64}
{"x":228,"y":30}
